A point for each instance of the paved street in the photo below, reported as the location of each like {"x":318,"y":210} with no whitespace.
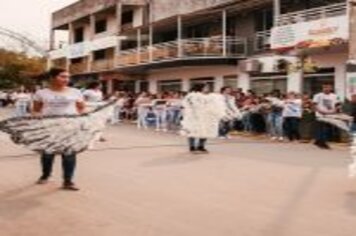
{"x":142,"y":183}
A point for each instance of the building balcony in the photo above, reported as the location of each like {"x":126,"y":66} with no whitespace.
{"x":102,"y":65}
{"x":78,"y":68}
{"x":332,"y":10}
{"x":185,"y":49}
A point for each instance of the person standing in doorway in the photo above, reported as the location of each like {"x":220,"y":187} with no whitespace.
{"x":58,"y":99}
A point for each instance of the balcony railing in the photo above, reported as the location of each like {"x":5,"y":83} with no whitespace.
{"x":198,"y":48}
{"x":332,"y":10}
{"x":262,"y":41}
{"x":78,"y":68}
{"x":102,"y":65}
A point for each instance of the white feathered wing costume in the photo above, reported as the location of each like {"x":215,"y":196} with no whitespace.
{"x":343,"y":121}
{"x":59,"y":134}
{"x":202,"y":114}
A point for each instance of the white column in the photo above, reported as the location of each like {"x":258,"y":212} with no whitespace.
{"x":341,"y":81}
{"x":295,"y":82}
{"x":244,"y":81}
{"x":218,"y":83}
{"x":137,"y":86}
{"x":110,"y":86}
{"x":92,"y":27}
{"x":185,"y":84}
{"x":150,"y":41}
{"x":276,"y":11}
{"x":224,"y":29}
{"x":152,"y":86}
{"x":139,"y":43}
{"x":179,"y":36}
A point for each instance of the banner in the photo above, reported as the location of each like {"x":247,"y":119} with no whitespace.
{"x":319,"y":33}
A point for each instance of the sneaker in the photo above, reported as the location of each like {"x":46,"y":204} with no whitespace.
{"x":281,"y":139}
{"x":70,"y":186}
{"x":42,"y":181}
{"x":273,"y":138}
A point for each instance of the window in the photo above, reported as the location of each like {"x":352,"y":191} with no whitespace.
{"x":170,"y":86}
{"x":101,"y":26}
{"x":231,"y":81}
{"x":127,"y":17}
{"x":263,"y":20}
{"x":79,"y":35}
{"x":77,"y":60}
{"x":266,"y":84}
{"x":209,"y":81}
{"x":99,"y":55}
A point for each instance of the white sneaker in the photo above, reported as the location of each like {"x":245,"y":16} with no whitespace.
{"x":158,"y":130}
{"x":273,"y":138}
{"x":281,"y":139}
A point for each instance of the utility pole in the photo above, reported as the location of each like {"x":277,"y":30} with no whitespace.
{"x":351,"y":65}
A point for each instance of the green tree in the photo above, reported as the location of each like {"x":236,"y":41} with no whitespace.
{"x":18,"y":69}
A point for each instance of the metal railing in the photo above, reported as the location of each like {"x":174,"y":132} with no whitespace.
{"x":78,"y":68}
{"x":317,"y":13}
{"x":262,"y":41}
{"x":101,"y":65}
{"x":184,"y":49}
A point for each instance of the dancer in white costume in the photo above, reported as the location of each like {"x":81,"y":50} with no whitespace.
{"x":58,"y":126}
{"x":202,"y":113}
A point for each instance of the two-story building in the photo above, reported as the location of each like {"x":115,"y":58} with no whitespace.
{"x":160,"y":45}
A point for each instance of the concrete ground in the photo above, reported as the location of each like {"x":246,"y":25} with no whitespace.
{"x":142,"y":183}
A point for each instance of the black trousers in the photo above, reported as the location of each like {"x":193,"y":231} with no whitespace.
{"x":291,"y":128}
{"x":68,"y":165}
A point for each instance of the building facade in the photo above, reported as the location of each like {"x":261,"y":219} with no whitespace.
{"x":160,"y":45}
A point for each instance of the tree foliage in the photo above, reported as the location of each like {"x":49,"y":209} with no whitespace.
{"x":18,"y":69}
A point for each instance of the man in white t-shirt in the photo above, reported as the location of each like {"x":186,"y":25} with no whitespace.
{"x":325,"y":103}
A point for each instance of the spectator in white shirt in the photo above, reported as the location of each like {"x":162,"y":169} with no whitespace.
{"x":292,"y":113}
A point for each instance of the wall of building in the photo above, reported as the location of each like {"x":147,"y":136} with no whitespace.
{"x":187,"y":73}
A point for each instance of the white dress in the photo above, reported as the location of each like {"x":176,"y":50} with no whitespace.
{"x":202,"y":114}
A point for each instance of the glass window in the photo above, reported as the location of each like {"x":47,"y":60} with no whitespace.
{"x":231,"y":81}
{"x":100,"y":26}
{"x":170,"y":86}
{"x":79,"y":35}
{"x":267,"y":85}
{"x":99,"y":55}
{"x":209,"y":81}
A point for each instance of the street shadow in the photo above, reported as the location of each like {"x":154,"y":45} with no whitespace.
{"x":350,"y":203}
{"x":17,"y":202}
{"x":286,"y":216}
{"x":180,"y":159}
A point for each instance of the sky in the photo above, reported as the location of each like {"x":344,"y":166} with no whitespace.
{"x":30,"y":17}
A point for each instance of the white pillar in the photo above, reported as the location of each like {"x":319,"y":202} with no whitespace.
{"x":341,"y":81}
{"x":137,"y":86}
{"x":180,"y":35}
{"x":218,"y":83}
{"x":276,"y":11}
{"x":152,"y":86}
{"x":185,"y":84}
{"x":224,"y":29}
{"x":244,"y":81}
{"x":110,"y":86}
{"x":295,"y":82}
{"x":139,"y":43}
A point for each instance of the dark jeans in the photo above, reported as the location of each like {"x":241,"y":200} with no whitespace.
{"x":224,"y":128}
{"x":68,"y":166}
{"x":323,"y":132}
{"x":197,"y":143}
{"x":291,"y":126}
